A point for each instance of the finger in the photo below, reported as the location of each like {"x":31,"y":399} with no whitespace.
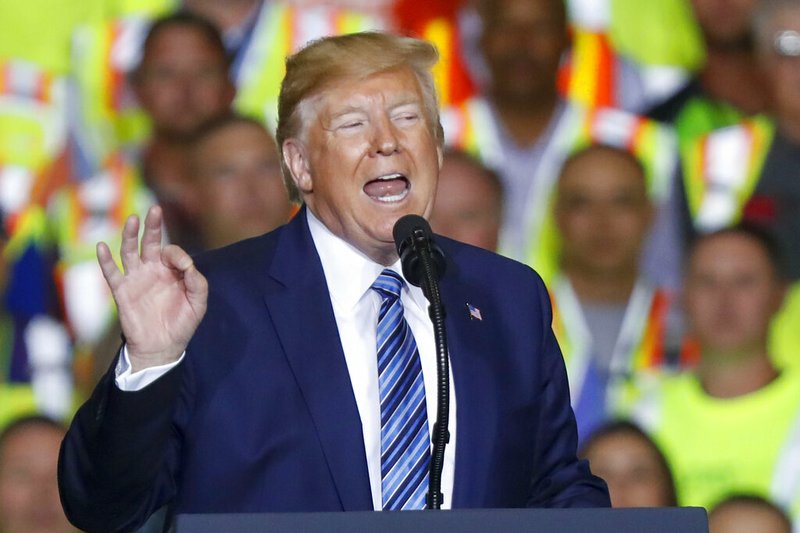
{"x":176,"y":258}
{"x":151,"y":239}
{"x":110,"y":270}
{"x":196,"y":289}
{"x":129,"y":249}
{"x":196,"y":284}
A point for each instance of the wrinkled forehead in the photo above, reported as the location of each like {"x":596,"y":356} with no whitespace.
{"x":386,"y":89}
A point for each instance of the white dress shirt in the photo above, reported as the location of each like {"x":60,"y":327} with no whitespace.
{"x":349,"y":275}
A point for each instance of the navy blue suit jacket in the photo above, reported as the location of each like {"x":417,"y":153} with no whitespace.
{"x":260,"y":416}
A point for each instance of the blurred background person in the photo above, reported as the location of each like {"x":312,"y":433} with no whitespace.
{"x":182,"y":82}
{"x":29,"y":501}
{"x":238,"y":182}
{"x":746,"y":514}
{"x":749,"y":171}
{"x":730,"y":425}
{"x":469,"y":201}
{"x":524,"y":129}
{"x":730,"y":85}
{"x":635,"y":470}
{"x":609,"y":319}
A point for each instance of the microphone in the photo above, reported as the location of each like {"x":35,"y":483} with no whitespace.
{"x":423,"y":265}
{"x":414,"y":241}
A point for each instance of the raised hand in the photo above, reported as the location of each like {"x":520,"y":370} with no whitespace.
{"x":161,"y":297}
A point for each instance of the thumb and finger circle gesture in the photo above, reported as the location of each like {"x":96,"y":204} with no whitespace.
{"x":161,"y":296}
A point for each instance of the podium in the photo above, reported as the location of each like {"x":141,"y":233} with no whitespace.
{"x":655,"y":520}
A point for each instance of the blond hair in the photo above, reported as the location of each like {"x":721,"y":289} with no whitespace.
{"x":351,"y":56}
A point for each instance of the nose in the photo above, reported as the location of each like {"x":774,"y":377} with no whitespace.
{"x":385,"y":141}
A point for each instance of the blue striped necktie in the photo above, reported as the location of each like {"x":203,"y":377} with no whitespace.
{"x":405,"y":445}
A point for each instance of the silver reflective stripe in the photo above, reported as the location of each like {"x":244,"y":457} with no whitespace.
{"x":785,"y":488}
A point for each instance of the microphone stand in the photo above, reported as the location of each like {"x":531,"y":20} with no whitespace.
{"x":436,"y":312}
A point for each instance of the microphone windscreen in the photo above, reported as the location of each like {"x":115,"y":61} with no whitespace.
{"x":405,"y":227}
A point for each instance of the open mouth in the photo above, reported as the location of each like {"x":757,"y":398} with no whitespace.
{"x":389,"y":188}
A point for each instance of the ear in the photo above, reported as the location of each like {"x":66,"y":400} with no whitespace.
{"x":295,"y":156}
{"x":440,"y":155}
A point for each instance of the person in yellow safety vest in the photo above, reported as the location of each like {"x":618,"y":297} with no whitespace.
{"x":610,"y":321}
{"x":525,"y":131}
{"x":182,"y":83}
{"x":730,"y":85}
{"x":733,"y":424}
{"x":749,"y":171}
{"x":591,"y":72}
{"x":79,"y":215}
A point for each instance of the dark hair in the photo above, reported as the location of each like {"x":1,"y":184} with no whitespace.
{"x":753,"y":500}
{"x":189,"y":20}
{"x":462,"y":156}
{"x":608,"y":149}
{"x":214,"y":125}
{"x":626,"y":427}
{"x":762,"y":236}
{"x":23,"y":422}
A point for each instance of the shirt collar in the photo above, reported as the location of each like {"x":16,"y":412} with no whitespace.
{"x":353,"y":271}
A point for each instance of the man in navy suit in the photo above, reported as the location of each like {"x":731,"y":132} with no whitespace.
{"x":249,"y":382}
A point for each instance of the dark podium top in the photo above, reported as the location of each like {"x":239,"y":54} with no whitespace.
{"x":661,"y":520}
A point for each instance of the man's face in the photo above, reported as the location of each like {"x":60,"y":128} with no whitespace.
{"x":366,"y":157}
{"x":603,"y":213}
{"x":522,"y":42}
{"x":725,"y":23}
{"x":468,"y":206}
{"x":730,"y":294}
{"x":183,"y":81}
{"x":239,"y":184}
{"x":29,"y":499}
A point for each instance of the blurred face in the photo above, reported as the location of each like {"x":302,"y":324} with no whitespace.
{"x":731,"y":294}
{"x":725,"y":23}
{"x":784,"y":72}
{"x":631,"y":469}
{"x":522,"y":42}
{"x":239,"y":184}
{"x":468,"y":205}
{"x":183,"y":81}
{"x":367,"y":157}
{"x":29,"y":501}
{"x":746,"y":518}
{"x":603,"y":213}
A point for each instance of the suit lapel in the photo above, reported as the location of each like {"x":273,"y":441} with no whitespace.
{"x":471,"y":356}
{"x":299,"y":303}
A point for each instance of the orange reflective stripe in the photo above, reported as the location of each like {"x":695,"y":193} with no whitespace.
{"x":26,"y":80}
{"x":589,"y":74}
{"x":439,"y":32}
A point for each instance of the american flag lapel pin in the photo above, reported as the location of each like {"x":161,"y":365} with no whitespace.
{"x":474,"y":312}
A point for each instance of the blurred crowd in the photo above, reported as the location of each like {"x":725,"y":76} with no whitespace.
{"x":643,"y":157}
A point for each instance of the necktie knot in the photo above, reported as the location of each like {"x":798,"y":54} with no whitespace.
{"x":388,"y":284}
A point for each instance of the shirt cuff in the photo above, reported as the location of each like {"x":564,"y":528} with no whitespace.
{"x":130,"y":381}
